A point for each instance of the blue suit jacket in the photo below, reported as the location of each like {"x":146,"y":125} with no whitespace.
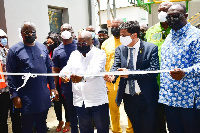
{"x":147,"y":60}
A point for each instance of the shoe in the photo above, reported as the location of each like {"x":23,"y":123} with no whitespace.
{"x":59,"y":127}
{"x":65,"y":130}
{"x":67,"y":127}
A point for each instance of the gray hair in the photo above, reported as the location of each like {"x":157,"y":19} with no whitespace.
{"x":27,"y":23}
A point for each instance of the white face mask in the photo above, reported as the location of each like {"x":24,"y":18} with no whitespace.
{"x":162,"y":16}
{"x":125,"y":40}
{"x":66,"y":34}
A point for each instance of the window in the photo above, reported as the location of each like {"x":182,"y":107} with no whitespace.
{"x":55,"y":19}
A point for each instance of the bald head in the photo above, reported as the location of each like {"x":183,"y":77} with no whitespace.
{"x":90,"y":28}
{"x":143,"y":27}
{"x":85,"y":34}
{"x":116,"y":22}
{"x":164,"y":6}
{"x":66,"y":26}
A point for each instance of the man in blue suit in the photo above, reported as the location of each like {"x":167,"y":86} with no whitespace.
{"x":138,"y":91}
{"x":33,"y":99}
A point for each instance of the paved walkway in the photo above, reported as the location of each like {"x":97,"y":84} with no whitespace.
{"x":52,"y":121}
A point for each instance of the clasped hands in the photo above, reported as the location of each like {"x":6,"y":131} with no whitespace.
{"x":176,"y":74}
{"x":74,"y":78}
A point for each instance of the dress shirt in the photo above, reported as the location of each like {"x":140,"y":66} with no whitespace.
{"x":92,"y":90}
{"x":181,"y":49}
{"x":135,"y":54}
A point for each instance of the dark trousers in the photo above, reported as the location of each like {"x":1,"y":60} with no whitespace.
{"x":15,"y":118}
{"x":197,"y":119}
{"x":58,"y":107}
{"x":39,"y":119}
{"x":161,"y":119}
{"x":4,"y":106}
{"x":142,"y":115}
{"x":101,"y":118}
{"x":71,"y":111}
{"x":181,"y":120}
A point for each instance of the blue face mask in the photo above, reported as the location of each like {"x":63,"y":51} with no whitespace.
{"x":4,"y":41}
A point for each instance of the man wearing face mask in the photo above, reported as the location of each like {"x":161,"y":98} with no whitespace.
{"x":53,"y":41}
{"x":89,"y":92}
{"x":138,"y":91}
{"x":33,"y":99}
{"x":103,"y":35}
{"x":92,"y":30}
{"x":179,"y":89}
{"x":143,"y":29}
{"x":60,"y":58}
{"x":109,"y":47}
{"x":157,"y":35}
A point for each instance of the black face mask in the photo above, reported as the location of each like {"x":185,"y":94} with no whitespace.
{"x":101,"y":40}
{"x":51,"y":47}
{"x":142,"y":34}
{"x":83,"y":49}
{"x":115,"y":32}
{"x":30,"y":39}
{"x":175,"y":22}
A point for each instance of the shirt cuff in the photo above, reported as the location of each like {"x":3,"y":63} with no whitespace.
{"x":15,"y":94}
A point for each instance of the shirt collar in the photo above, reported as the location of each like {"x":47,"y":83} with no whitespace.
{"x":137,"y":45}
{"x":180,"y":31}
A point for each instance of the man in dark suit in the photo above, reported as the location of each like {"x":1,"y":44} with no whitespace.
{"x":138,"y":91}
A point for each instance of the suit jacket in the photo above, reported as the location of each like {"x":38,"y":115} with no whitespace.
{"x":147,"y":60}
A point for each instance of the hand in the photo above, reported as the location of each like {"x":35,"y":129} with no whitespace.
{"x":109,"y":78}
{"x":177,"y":74}
{"x":75,"y":78}
{"x":123,"y":69}
{"x":17,"y":102}
{"x":56,"y":98}
{"x":65,"y":80}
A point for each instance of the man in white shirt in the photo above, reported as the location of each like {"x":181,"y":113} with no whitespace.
{"x":138,"y":91}
{"x":89,"y":92}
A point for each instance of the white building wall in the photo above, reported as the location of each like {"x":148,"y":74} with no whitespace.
{"x":130,"y":13}
{"x":17,"y":11}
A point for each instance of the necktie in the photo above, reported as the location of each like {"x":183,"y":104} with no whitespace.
{"x":130,"y":66}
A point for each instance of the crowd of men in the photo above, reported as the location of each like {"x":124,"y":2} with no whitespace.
{"x":91,"y":99}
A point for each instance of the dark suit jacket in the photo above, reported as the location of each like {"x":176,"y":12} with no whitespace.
{"x":147,"y":60}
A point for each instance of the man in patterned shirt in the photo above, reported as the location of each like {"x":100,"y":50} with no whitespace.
{"x":179,"y":89}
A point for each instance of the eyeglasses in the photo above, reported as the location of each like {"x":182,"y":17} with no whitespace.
{"x":177,"y":15}
{"x":29,"y":32}
{"x":81,"y":44}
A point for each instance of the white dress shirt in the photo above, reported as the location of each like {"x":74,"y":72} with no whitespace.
{"x":135,"y":54}
{"x":92,"y":90}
